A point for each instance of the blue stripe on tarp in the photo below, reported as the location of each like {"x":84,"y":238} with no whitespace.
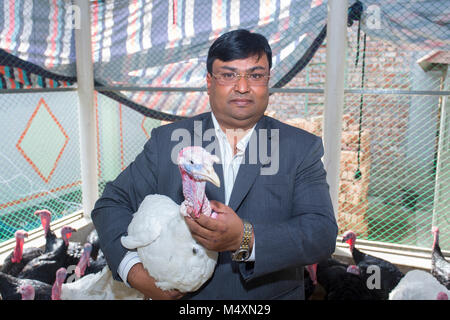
{"x":277,"y":14}
{"x":160,"y":12}
{"x":181,"y":19}
{"x":228,"y":12}
{"x":25,"y":78}
{"x":248,"y":13}
{"x":141,"y":23}
{"x":101,"y":23}
{"x":180,"y":16}
{"x":59,"y":33}
{"x":2,"y":15}
{"x":7,"y":72}
{"x":18,"y":24}
{"x":72,"y":55}
{"x":40,"y":82}
{"x":119,"y":32}
{"x":2,"y":82}
{"x":202,"y":21}
{"x":38,"y":44}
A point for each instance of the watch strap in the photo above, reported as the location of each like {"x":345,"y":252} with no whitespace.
{"x":243,"y":252}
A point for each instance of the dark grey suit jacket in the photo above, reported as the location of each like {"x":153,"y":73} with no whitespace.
{"x":290,"y":210}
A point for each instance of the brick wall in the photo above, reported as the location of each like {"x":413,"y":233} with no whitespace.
{"x":385,"y":120}
{"x":353,"y":193}
{"x":388,"y":66}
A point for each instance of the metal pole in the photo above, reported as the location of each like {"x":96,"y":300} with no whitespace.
{"x":334,"y":93}
{"x":85,"y":81}
{"x":441,"y":202}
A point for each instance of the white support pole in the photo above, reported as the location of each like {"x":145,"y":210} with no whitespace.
{"x":85,"y":80}
{"x":441,"y":201}
{"x":334,"y":93}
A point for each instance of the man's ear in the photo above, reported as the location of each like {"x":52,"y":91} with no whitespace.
{"x":208,"y":81}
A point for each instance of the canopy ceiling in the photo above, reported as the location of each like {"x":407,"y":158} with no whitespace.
{"x":160,"y":43}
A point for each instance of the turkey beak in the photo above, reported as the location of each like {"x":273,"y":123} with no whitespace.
{"x":212,"y":177}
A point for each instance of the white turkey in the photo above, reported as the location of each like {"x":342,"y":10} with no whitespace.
{"x":98,"y":286}
{"x":419,"y":285}
{"x":159,"y":232}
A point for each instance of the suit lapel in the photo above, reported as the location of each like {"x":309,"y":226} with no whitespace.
{"x":251,"y":168}
{"x":204,"y":132}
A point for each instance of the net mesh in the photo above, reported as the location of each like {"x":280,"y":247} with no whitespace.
{"x":394,"y":166}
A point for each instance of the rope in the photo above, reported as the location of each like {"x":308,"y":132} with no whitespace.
{"x":358,"y":173}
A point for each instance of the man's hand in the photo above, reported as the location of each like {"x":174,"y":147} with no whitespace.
{"x":224,"y":233}
{"x":139,"y":279}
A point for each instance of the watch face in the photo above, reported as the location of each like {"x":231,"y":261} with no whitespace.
{"x":241,"y":255}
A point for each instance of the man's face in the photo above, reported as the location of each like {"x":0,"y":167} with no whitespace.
{"x":238,"y":105}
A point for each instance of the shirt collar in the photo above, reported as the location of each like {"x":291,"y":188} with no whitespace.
{"x":242,"y":144}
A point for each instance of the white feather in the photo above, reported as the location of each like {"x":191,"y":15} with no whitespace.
{"x":99,"y":286}
{"x":166,"y":247}
{"x":417,"y":285}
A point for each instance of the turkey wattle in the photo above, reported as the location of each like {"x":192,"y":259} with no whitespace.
{"x":160,"y":234}
{"x":18,"y":259}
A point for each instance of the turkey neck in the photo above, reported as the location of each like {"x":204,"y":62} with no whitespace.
{"x":436,"y":239}
{"x":18,"y":250}
{"x":194,"y":192}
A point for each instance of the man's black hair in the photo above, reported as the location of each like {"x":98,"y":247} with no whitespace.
{"x":238,"y":44}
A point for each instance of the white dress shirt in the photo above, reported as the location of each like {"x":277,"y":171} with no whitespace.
{"x":230,"y":165}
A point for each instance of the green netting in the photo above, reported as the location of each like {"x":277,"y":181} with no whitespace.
{"x":39,"y":158}
{"x":397,"y":138}
{"x":401,"y":196}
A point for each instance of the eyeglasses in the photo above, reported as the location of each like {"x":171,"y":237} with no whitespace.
{"x":230,"y":78}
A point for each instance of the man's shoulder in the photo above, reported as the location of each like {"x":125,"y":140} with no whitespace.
{"x":187,"y":123}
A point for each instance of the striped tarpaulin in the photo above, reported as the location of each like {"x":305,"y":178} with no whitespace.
{"x":163,"y":43}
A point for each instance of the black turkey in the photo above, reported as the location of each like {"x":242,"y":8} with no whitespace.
{"x":342,"y":282}
{"x":12,"y":288}
{"x":52,"y":242}
{"x":389,"y":274}
{"x":310,"y":280}
{"x":16,"y":261}
{"x":44,"y":267}
{"x":440,"y":268}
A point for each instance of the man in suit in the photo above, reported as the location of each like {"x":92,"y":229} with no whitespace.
{"x":274,"y":210}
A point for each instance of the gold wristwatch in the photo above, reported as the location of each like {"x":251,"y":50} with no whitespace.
{"x":243,"y":253}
